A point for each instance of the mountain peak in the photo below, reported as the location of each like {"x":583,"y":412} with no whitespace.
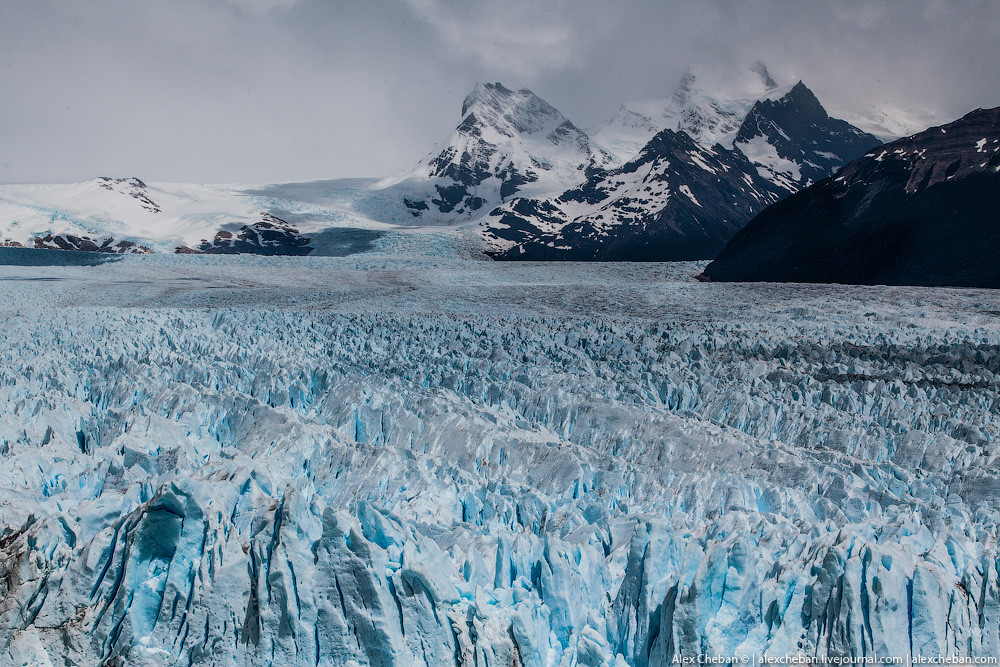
{"x":509,"y":112}
{"x":795,"y":139}
{"x":509,"y":141}
{"x":760,"y":69}
{"x":491,"y":94}
{"x":804,"y":99}
{"x":682,"y":93}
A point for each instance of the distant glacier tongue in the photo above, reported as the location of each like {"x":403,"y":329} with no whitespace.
{"x":765,"y":471}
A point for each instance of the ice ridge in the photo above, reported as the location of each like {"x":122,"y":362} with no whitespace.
{"x":227,"y":486}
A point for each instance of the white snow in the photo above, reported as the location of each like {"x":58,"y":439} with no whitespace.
{"x":690,"y":195}
{"x":887,"y":121}
{"x":770,"y":165}
{"x":514,"y":129}
{"x":707,"y":109}
{"x":190,"y":213}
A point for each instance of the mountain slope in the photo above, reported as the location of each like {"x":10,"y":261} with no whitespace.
{"x":675,"y":200}
{"x":127,"y":215}
{"x":508,"y":142}
{"x":795,"y":142}
{"x":695,"y":107}
{"x":680,"y":198}
{"x":923,"y":210}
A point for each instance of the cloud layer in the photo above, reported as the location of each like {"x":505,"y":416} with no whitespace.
{"x":271,"y":90}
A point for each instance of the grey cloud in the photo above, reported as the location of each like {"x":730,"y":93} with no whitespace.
{"x":270,"y":90}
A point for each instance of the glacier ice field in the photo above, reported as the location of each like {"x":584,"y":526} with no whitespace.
{"x":419,"y":460}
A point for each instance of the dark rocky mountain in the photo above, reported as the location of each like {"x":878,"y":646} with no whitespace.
{"x":508,"y":142}
{"x":86,"y":244}
{"x":679,"y":199}
{"x":922,"y":210}
{"x":796,"y":142}
{"x":675,"y":200}
{"x":270,"y":236}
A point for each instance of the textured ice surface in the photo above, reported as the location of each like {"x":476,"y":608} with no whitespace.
{"x":431,"y":461}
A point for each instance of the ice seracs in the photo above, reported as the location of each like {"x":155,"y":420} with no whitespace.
{"x":461,"y":463}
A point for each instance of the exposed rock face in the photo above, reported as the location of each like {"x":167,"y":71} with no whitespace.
{"x":270,"y":236}
{"x":682,"y":198}
{"x":87,"y":244}
{"x":794,"y":142}
{"x":923,"y":210}
{"x":132,"y":187}
{"x":675,"y":201}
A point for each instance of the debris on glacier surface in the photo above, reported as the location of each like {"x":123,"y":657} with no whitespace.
{"x":437,"y":461}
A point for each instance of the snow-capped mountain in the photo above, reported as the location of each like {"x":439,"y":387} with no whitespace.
{"x":708,"y":114}
{"x":689,"y":190}
{"x":923,"y":210}
{"x":794,"y":142}
{"x":508,"y":143}
{"x":676,"y":200}
{"x":127,"y":215}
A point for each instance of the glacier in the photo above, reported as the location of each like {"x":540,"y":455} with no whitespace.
{"x":388,"y":459}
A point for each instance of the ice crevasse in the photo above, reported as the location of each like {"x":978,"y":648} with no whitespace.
{"x":185,"y":487}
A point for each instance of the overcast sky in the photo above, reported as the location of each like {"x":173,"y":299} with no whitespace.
{"x":280,"y":90}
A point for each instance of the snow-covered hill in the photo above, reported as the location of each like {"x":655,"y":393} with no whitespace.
{"x":128,"y":215}
{"x":159,"y":216}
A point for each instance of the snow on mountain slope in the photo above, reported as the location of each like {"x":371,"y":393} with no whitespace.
{"x":922,"y":210}
{"x":494,"y":464}
{"x":162,"y":216}
{"x":688,"y":191}
{"x":706,"y":112}
{"x":128,"y":215}
{"x":676,"y":200}
{"x":508,"y":142}
{"x":794,"y":142}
